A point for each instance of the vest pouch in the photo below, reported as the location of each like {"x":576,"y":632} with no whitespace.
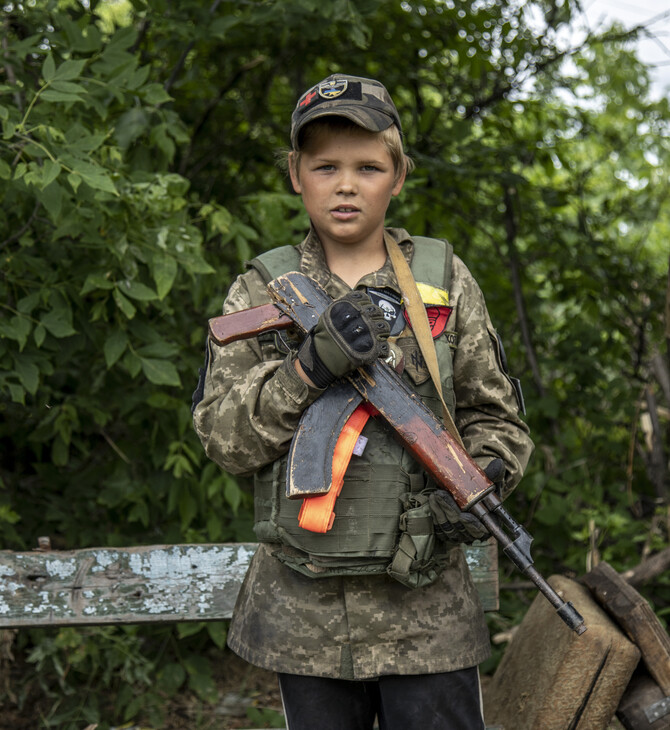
{"x":415,"y":563}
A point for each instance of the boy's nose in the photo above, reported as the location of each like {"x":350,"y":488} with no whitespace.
{"x":347,"y":183}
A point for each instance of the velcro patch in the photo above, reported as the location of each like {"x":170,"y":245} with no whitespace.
{"x":391,"y":304}
{"x":438,"y":317}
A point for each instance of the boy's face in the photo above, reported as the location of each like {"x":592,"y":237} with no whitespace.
{"x":346,"y":179}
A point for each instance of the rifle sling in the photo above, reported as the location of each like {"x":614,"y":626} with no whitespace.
{"x":420,"y":325}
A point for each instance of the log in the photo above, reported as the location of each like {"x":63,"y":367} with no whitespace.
{"x":552,"y":679}
{"x":152,"y":584}
{"x":643,"y":705}
{"x":636,"y":617}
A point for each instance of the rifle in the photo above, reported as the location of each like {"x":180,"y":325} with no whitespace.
{"x":298,"y":302}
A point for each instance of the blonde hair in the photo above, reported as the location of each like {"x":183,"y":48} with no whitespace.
{"x":319,"y":128}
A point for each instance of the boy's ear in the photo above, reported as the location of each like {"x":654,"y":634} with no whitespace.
{"x":399,"y":183}
{"x":293,"y":173}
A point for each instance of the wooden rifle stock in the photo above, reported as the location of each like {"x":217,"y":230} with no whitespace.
{"x":301,"y":301}
{"x":248,"y":323}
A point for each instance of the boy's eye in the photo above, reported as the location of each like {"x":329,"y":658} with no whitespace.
{"x":370,"y":168}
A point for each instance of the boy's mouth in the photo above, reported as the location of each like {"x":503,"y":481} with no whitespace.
{"x":345,"y":211}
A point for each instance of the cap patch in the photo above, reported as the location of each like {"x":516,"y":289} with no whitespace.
{"x":307,"y":99}
{"x":327,"y":91}
{"x":333,"y":89}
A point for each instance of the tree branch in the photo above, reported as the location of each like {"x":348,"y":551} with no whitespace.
{"x":515,"y":275}
{"x":23,"y":229}
{"x":182,"y":59}
{"x":227,"y":86}
{"x":646,"y":570}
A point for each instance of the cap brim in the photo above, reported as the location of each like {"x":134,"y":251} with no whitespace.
{"x":371,"y":119}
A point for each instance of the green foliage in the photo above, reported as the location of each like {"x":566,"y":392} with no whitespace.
{"x":137,"y":173}
{"x":114,"y":674}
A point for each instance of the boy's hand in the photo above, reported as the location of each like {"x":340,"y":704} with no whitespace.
{"x":350,"y":333}
{"x":454,"y":525}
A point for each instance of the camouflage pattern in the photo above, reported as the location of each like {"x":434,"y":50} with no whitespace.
{"x":365,"y":102}
{"x":355,"y":627}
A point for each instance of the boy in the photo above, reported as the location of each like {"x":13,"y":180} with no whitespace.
{"x":348,"y":640}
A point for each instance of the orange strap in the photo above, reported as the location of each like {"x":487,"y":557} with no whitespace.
{"x":317,"y":513}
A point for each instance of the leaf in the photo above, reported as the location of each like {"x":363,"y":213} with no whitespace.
{"x":51,"y":172}
{"x":51,"y":95}
{"x":59,"y":321}
{"x":28,"y":374}
{"x":114,"y":347}
{"x":124,"y":304}
{"x":28,"y":303}
{"x":68,"y":87}
{"x":17,"y":393}
{"x":60,"y":452}
{"x":18,"y":328}
{"x":155,"y":94}
{"x":203,"y":685}
{"x":137,"y":290}
{"x":188,"y":508}
{"x":52,"y":199}
{"x":164,"y":270}
{"x":170,"y":677}
{"x":130,"y":126}
{"x":184,"y":630}
{"x":39,"y":335}
{"x":94,"y":281}
{"x":74,"y":180}
{"x":160,"y":372}
{"x":95,"y":176}
{"x":218,"y":632}
{"x":48,"y":68}
{"x":69,"y":70}
{"x":5,"y":170}
{"x":233,"y":495}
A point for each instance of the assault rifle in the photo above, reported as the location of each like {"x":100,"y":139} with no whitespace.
{"x":298,"y":303}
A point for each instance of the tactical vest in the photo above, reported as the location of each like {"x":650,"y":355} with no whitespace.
{"x":383,"y":522}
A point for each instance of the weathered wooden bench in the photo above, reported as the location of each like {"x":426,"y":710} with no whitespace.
{"x":152,"y":584}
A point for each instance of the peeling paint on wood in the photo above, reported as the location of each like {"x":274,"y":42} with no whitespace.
{"x":152,"y":584}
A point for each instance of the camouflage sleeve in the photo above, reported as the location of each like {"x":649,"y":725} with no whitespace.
{"x":252,"y":396}
{"x":487,"y":401}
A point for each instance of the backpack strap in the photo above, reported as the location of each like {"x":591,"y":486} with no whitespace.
{"x":431,"y":261}
{"x":275,"y":262}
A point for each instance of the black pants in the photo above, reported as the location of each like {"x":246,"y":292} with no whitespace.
{"x":448,"y":701}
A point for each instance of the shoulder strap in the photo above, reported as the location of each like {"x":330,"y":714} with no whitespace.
{"x":431,"y":261}
{"x":275,"y":262}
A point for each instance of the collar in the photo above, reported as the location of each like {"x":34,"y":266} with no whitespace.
{"x":313,"y":264}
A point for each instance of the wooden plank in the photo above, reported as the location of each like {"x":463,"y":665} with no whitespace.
{"x":152,"y":584}
{"x":121,"y":585}
{"x":636,"y":617}
{"x":642,"y":705}
{"x":550,"y":678}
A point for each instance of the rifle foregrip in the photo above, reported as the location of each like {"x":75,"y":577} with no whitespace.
{"x":247,"y":323}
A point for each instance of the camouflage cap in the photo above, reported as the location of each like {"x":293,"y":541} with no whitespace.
{"x":364,"y":101}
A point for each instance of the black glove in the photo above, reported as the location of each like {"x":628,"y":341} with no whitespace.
{"x":350,"y":333}
{"x":454,"y":525}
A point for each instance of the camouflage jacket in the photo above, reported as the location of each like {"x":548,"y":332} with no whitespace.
{"x":359,"y":626}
